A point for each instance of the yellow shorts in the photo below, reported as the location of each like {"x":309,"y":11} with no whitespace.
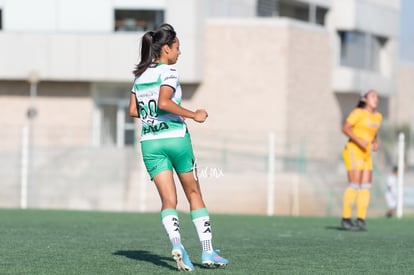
{"x":355,"y":158}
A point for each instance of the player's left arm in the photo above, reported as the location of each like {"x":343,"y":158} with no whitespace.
{"x":375,"y":145}
{"x":165,"y":103}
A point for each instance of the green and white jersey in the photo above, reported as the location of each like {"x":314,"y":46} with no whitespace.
{"x":156,"y":123}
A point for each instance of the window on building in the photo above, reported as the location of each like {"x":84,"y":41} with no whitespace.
{"x":1,"y":20}
{"x":361,"y":50}
{"x":111,"y":124}
{"x":303,"y":11}
{"x":129,"y":137}
{"x":377,"y":52}
{"x":320,"y":15}
{"x":352,"y":49}
{"x":295,"y":10}
{"x":266,"y":8}
{"x":138,"y":20}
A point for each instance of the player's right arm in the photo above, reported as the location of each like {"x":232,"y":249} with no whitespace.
{"x":347,"y":130}
{"x":133,"y":108}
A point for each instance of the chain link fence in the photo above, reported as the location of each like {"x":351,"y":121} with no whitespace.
{"x":234,"y":169}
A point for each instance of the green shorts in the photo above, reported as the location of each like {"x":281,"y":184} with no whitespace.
{"x":168,"y":153}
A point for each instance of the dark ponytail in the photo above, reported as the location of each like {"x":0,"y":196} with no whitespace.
{"x":146,"y":54}
{"x":151,"y":46}
{"x":361,"y":104}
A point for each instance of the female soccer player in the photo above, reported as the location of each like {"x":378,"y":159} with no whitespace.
{"x":165,"y":141}
{"x":361,"y":128}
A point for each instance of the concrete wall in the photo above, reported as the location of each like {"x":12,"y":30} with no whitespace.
{"x":313,"y":113}
{"x":64,"y":113}
{"x":368,"y":16}
{"x":402,"y":102}
{"x":269,"y":75}
{"x":76,"y":16}
{"x":244,"y":87}
{"x":68,"y":40}
{"x":191,"y":36}
{"x":68,"y":57}
{"x":231,"y":8}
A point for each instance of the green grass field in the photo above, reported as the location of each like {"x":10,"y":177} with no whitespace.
{"x":71,"y":242}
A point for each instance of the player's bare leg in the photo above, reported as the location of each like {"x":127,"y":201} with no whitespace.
{"x":201,"y":220}
{"x":350,"y":196}
{"x":363,"y":199}
{"x":165,"y":184}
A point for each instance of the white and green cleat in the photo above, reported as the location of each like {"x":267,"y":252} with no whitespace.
{"x":181,"y":258}
{"x":213,"y":259}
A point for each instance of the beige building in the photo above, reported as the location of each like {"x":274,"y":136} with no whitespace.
{"x":291,"y":68}
{"x":264,"y":75}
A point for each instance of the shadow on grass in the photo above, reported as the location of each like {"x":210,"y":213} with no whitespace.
{"x":339,"y":228}
{"x":146,"y":256}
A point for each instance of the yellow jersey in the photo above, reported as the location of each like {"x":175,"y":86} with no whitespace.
{"x":365,"y":125}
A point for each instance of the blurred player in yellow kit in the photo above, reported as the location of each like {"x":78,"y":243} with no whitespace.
{"x":361,"y":127}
